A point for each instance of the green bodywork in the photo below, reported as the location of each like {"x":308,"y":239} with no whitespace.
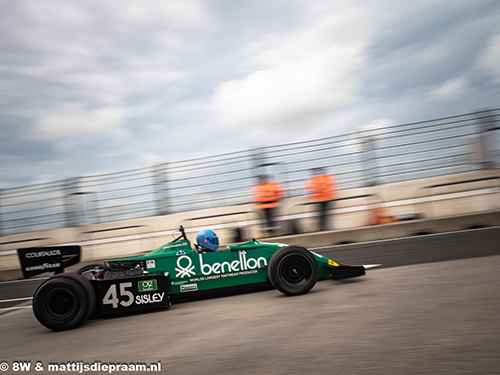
{"x":189,"y":271}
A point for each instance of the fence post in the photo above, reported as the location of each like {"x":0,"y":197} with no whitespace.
{"x":485,"y":142}
{"x":160,"y":177}
{"x":259,"y":161}
{"x":70,"y":191}
{"x":1,"y":218}
{"x":368,"y":158}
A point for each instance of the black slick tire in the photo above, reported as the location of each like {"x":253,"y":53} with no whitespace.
{"x":64,"y":301}
{"x":293,"y":270}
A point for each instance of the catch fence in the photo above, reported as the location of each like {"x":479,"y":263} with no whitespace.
{"x":445,"y":146}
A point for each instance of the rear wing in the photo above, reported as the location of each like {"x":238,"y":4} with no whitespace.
{"x":37,"y":260}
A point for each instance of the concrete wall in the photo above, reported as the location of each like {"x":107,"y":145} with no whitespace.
{"x":441,"y":208}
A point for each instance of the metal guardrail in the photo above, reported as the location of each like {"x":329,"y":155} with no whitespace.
{"x":23,"y":241}
{"x":21,"y":244}
{"x":369,"y":157}
{"x":236,"y":225}
{"x":115,"y":238}
{"x":295,"y":219}
{"x":453,"y":183}
{"x":462,"y":182}
{"x":337,"y":199}
{"x":219,"y":215}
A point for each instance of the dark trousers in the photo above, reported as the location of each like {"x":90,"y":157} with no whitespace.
{"x":323,"y":214}
{"x":269,"y":216}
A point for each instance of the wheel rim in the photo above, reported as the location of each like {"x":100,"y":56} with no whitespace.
{"x":296,"y":270}
{"x":60,"y":303}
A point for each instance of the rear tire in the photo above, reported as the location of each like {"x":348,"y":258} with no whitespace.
{"x":64,"y":301}
{"x":293,"y":270}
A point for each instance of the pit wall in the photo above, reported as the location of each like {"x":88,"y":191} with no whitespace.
{"x":453,"y":205}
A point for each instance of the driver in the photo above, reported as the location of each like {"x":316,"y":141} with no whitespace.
{"x":206,"y":240}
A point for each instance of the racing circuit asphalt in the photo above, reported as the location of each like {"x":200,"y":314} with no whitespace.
{"x":432,"y":308}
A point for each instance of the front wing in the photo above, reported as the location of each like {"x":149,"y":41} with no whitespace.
{"x":344,"y":272}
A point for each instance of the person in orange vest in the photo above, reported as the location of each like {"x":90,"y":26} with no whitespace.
{"x":267,"y":195}
{"x":322,"y":187}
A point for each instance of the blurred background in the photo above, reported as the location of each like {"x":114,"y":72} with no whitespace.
{"x":444,"y":147}
{"x":114,"y":111}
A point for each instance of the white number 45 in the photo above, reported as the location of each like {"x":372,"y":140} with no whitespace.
{"x":111,"y":297}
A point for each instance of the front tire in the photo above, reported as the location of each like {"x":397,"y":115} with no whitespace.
{"x":293,"y":270}
{"x":64,"y":301}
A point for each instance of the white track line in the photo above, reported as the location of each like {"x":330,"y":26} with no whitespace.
{"x":20,"y":281}
{"x":16,"y":299}
{"x":405,"y":238}
{"x":15,"y":308}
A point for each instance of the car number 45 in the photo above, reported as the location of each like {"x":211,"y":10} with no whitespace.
{"x":111,"y":296}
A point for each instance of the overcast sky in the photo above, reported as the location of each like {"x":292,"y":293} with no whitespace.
{"x":91,"y":87}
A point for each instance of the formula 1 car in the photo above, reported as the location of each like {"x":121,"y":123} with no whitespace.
{"x":175,"y":270}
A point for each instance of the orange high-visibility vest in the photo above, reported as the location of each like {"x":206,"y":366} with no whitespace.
{"x":268,"y":194}
{"x":322,"y":187}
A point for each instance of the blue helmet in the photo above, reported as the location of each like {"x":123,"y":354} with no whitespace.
{"x":207,"y":240}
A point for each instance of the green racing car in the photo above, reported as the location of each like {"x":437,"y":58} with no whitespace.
{"x":176,"y":271}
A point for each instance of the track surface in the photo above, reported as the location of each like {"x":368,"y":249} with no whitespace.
{"x":434,"y":318}
{"x":416,"y":250}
